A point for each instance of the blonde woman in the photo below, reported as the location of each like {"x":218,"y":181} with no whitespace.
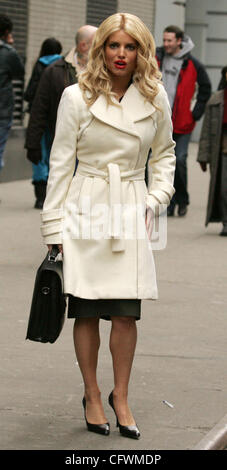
{"x":110,"y":120}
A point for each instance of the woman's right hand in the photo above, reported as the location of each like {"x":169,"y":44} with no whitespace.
{"x":59,"y":247}
{"x":149,"y":220}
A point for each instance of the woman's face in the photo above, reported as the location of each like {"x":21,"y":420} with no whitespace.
{"x":121,"y":54}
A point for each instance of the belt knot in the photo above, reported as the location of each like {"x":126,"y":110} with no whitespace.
{"x":114,"y":177}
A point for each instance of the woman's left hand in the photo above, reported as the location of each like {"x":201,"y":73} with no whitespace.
{"x":59,"y":247}
{"x":149,"y":220}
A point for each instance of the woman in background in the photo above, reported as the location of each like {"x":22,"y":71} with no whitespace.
{"x":50,"y":52}
{"x":213,"y":151}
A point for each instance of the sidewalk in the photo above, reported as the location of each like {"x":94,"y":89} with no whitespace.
{"x":181,"y":348}
{"x":17,"y":166}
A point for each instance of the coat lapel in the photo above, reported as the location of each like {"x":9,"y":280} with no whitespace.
{"x":135,"y":105}
{"x":132,"y":108}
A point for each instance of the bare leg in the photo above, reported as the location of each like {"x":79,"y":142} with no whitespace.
{"x":87,"y":342}
{"x":123,"y":339}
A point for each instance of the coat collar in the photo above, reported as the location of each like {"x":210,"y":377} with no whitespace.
{"x":132,"y":108}
{"x":70,"y":57}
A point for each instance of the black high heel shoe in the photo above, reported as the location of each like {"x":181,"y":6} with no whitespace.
{"x":98,"y":428}
{"x":127,"y":431}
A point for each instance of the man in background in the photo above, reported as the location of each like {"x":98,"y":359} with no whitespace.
{"x":11,"y":68}
{"x":182,"y":75}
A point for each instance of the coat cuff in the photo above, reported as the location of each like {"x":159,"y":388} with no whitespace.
{"x":48,"y":229}
{"x":157,"y":198}
{"x":53,"y":214}
{"x":153,"y":203}
{"x":51,"y":228}
{"x":203,"y":158}
{"x":53,"y":239}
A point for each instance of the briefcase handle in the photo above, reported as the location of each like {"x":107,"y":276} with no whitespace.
{"x":53,"y":253}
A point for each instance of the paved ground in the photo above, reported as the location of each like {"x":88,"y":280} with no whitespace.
{"x":181,"y":349}
{"x":16,"y":167}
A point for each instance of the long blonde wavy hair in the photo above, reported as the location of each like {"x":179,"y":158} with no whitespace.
{"x":96,"y":79}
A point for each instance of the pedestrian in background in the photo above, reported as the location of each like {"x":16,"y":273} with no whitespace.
{"x":50,"y":52}
{"x":109,"y":121}
{"x":213,"y":152}
{"x":54,"y":80}
{"x":11,"y":67}
{"x":181,"y":72}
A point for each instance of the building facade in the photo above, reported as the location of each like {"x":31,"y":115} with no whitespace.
{"x":36,"y":20}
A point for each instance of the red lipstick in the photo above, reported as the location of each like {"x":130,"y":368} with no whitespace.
{"x":120,"y":64}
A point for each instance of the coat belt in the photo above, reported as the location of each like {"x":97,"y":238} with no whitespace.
{"x":114,"y":177}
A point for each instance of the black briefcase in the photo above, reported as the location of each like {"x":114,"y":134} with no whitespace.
{"x":47,"y":312}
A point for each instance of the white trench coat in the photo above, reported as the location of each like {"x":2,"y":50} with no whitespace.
{"x":111,"y":143}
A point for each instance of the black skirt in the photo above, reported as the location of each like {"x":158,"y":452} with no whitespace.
{"x":103,"y":308}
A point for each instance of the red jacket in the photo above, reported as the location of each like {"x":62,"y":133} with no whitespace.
{"x":192,"y":72}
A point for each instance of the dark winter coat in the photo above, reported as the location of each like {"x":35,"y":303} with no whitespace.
{"x":37,"y":72}
{"x":33,"y":83}
{"x":209,"y":151}
{"x":192,"y":72}
{"x":54,"y":80}
{"x":11,"y":68}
